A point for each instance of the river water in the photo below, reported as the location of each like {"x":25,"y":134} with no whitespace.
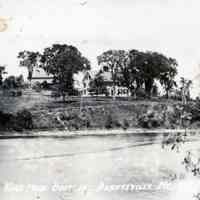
{"x":89,"y":167}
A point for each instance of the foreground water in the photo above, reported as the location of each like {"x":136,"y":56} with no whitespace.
{"x":92,"y":168}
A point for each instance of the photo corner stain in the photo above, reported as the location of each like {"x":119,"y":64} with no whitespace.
{"x":3,"y":24}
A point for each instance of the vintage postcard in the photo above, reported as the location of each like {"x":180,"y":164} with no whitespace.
{"x":99,"y":100}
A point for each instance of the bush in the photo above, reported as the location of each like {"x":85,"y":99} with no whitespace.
{"x":16,"y":93}
{"x":85,"y":120}
{"x":45,"y":85}
{"x":116,"y":124}
{"x":150,"y":120}
{"x":44,"y":121}
{"x":13,"y":82}
{"x":24,"y":120}
{"x":125,"y":124}
{"x":12,"y":92}
{"x":140,"y":93}
{"x":73,"y":120}
{"x":111,"y":123}
{"x":37,"y":86}
{"x":194,"y":109}
{"x":5,"y":120}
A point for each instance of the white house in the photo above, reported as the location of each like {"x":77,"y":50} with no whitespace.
{"x":108,"y":82}
{"x":39,"y":75}
{"x":117,"y":90}
{"x":82,"y":81}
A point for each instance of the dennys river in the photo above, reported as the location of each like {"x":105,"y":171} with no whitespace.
{"x":133,"y":167}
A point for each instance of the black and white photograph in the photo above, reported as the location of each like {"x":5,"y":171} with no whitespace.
{"x":99,"y":100}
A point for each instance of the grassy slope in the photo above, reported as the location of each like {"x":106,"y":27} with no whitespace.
{"x":44,"y":107}
{"x":43,"y":101}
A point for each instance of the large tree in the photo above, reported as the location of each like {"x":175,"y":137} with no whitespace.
{"x":63,"y":61}
{"x":29,"y":59}
{"x":168,"y":74}
{"x":131,"y":72}
{"x":146,"y":67}
{"x":115,"y":60}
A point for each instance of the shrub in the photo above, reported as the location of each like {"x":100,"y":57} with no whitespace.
{"x":73,"y":120}
{"x":5,"y":120}
{"x":116,"y":124}
{"x":125,"y":124}
{"x":140,"y":93}
{"x":85,"y":120}
{"x":45,"y":121}
{"x":37,"y":86}
{"x":194,"y":109}
{"x":24,"y":120}
{"x":13,"y":82}
{"x":109,"y":122}
{"x":12,"y":92}
{"x":45,"y":85}
{"x":151,"y":120}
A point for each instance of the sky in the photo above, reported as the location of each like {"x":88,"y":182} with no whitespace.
{"x":171,"y":27}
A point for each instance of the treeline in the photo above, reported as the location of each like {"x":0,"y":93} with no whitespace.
{"x":60,"y":60}
{"x":13,"y":82}
{"x":136,"y":69}
{"x":13,"y":85}
{"x":132,"y":69}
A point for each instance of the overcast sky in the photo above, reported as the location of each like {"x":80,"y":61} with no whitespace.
{"x":171,"y":27}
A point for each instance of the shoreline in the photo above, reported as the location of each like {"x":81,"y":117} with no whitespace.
{"x":55,"y":133}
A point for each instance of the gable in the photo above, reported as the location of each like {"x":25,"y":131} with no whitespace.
{"x":39,"y":73}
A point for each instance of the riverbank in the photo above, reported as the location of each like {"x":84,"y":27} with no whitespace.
{"x":98,"y":132}
{"x":40,"y":112}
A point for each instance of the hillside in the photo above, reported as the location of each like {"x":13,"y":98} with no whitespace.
{"x":93,"y":112}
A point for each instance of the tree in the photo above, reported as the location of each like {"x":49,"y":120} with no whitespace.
{"x":115,"y":60}
{"x":20,"y":81}
{"x":135,"y":69}
{"x":97,"y":85}
{"x":2,"y":71}
{"x":153,"y":66}
{"x":146,"y":67}
{"x":168,"y":74}
{"x":10,"y":83}
{"x":29,"y":59}
{"x":131,"y":73}
{"x":63,"y":61}
{"x":13,"y":82}
{"x":145,"y":62}
{"x":185,"y":89}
